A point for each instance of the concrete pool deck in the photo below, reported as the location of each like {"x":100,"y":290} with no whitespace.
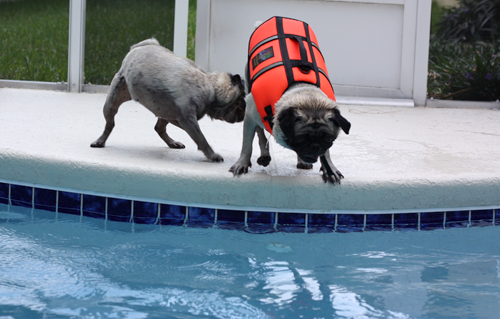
{"x":394,"y":159}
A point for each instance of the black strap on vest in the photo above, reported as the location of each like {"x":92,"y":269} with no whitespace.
{"x":313,"y":58}
{"x":284,"y":52}
{"x":270,"y":116}
{"x":303,"y":64}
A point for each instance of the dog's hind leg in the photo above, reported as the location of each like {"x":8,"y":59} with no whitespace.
{"x":265,"y":157}
{"x":118,"y":94}
{"x":161,"y":129}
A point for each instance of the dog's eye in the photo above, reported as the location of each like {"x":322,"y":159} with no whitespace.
{"x":300,"y":139}
{"x":328,"y":138}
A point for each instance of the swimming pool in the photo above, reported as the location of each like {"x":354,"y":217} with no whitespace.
{"x":136,"y":230}
{"x":57,"y":265}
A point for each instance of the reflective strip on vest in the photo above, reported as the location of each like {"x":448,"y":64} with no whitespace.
{"x":281,"y":52}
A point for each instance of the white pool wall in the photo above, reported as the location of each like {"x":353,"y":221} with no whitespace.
{"x":394,"y":159}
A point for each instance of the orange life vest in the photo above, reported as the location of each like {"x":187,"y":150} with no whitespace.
{"x":281,"y":52}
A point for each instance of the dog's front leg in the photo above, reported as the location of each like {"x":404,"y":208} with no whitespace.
{"x":190,"y":125}
{"x":330,"y":172}
{"x":303,"y":165}
{"x":243,"y":163}
{"x":265,"y":156}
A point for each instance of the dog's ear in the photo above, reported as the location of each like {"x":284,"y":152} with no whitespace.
{"x":235,"y":79}
{"x":340,"y":121}
{"x":287,"y":119}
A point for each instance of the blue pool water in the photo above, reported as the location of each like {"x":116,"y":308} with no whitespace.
{"x":66,"y":266}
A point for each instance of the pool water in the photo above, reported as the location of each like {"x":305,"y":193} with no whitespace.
{"x":65,"y":266}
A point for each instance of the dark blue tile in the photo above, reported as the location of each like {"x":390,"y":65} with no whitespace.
{"x":406,"y":221}
{"x":21,"y":195}
{"x":145,"y":212}
{"x":45,"y":199}
{"x":483,"y":215}
{"x":69,"y":203}
{"x":230,"y":219}
{"x":201,"y":217}
{"x":457,"y":219}
{"x":429,"y":221}
{"x":379,"y":222}
{"x":260,"y":222}
{"x":481,"y":218}
{"x":321,"y":223}
{"x":291,"y":222}
{"x":297,"y":219}
{"x":264,"y":218}
{"x":94,"y":206}
{"x":119,"y":210}
{"x":350,"y":223}
{"x":4,"y":193}
{"x":172,"y":214}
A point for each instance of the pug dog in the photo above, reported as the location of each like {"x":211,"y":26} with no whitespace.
{"x":305,"y":117}
{"x":306,"y":121}
{"x":177,"y":91}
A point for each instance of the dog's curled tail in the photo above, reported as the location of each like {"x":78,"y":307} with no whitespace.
{"x":151,"y":41}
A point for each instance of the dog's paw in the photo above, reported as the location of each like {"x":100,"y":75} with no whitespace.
{"x":334,"y":178}
{"x":303,"y":165}
{"x":264,"y":160}
{"x":176,"y":144}
{"x":97,"y":144}
{"x":216,"y":158}
{"x":238,"y":169}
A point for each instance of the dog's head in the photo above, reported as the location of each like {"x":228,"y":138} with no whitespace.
{"x":229,"y":105}
{"x":309,"y":125}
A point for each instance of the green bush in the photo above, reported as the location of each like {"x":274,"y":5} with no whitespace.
{"x":464,"y":53}
{"x":471,"y":21}
{"x":464,"y":71}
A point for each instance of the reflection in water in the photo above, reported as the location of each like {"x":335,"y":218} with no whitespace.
{"x":280,"y":281}
{"x":76,"y":268}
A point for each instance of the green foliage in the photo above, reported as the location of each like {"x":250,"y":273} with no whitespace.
{"x":471,"y":21}
{"x":34,"y":40}
{"x":34,"y":36}
{"x":191,"y":30}
{"x":464,"y":53}
{"x":464,"y":71}
{"x":114,"y":25}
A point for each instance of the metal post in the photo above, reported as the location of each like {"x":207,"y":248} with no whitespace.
{"x":76,"y":50}
{"x":181,"y":27}
{"x":422,"y":52}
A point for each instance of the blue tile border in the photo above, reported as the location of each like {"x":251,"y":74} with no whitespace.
{"x":257,"y":222}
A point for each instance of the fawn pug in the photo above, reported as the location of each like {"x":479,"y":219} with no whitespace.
{"x":177,"y":91}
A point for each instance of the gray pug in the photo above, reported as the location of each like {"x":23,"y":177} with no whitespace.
{"x":306,"y":121}
{"x":177,"y":91}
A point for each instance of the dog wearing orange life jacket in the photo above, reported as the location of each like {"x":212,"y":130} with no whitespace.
{"x":290,"y":96}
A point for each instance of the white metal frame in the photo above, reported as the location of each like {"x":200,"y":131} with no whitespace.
{"x":414,"y":48}
{"x":76,"y":47}
{"x":76,"y":51}
{"x":413,"y":80}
